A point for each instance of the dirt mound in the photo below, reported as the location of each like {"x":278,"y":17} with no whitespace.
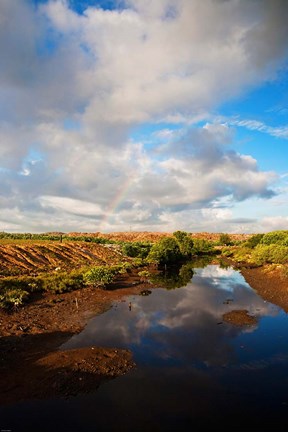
{"x":240,"y":318}
{"x":32,"y":257}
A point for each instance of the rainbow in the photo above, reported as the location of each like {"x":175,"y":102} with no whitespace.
{"x":117,"y":199}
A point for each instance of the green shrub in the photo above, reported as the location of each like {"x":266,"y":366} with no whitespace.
{"x":136,"y":249}
{"x":253,"y":241}
{"x":185,"y":243}
{"x":227,"y":252}
{"x":165,"y":251}
{"x":12,"y":297}
{"x":60,"y":282}
{"x":279,"y":254}
{"x":271,"y":253}
{"x":100,"y":275}
{"x":140,"y":262}
{"x":144,"y":274}
{"x":122,"y":268}
{"x":202,"y":246}
{"x":275,"y":237}
{"x":242,"y":253}
{"x":225,"y":240}
{"x":261,"y":254}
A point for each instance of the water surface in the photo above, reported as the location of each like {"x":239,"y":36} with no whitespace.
{"x":193,"y":369}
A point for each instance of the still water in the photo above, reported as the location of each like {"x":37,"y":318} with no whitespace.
{"x":193,"y":370}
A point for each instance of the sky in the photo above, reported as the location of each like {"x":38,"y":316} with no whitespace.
{"x":143,"y":115}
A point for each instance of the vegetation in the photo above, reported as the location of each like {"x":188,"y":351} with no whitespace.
{"x":100,"y":276}
{"x":202,"y":246}
{"x":54,"y":237}
{"x":270,"y":248}
{"x":260,"y":249}
{"x":136,"y":249}
{"x":275,"y":238}
{"x":180,"y":247}
{"x":225,"y":240}
{"x":253,"y":241}
{"x":12,"y":298}
{"x":60,"y":282}
{"x":15,"y":291}
{"x":165,"y":251}
{"x":185,"y":244}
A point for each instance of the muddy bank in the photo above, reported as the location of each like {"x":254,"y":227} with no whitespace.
{"x":269,"y":283}
{"x":31,"y":365}
{"x":30,"y":370}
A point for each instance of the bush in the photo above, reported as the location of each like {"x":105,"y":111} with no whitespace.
{"x":165,"y":251}
{"x":13,"y":297}
{"x":279,"y":254}
{"x":225,"y":240}
{"x":185,"y":243}
{"x":140,"y":262}
{"x":60,"y":282}
{"x":100,"y":275}
{"x":136,"y":249}
{"x":253,"y":241}
{"x":227,"y":252}
{"x":275,"y":237}
{"x":122,"y":268}
{"x":144,"y":275}
{"x":272,"y":253}
{"x":202,"y":246}
{"x":242,"y":253}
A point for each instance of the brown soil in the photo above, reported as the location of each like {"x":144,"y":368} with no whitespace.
{"x":32,"y":366}
{"x":270,"y":284}
{"x":30,"y":257}
{"x":239,"y":318}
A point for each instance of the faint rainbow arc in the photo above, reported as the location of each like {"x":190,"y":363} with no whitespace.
{"x":114,"y":203}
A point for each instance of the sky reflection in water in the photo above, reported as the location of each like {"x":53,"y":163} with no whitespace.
{"x":184,"y":326}
{"x":194,"y":372}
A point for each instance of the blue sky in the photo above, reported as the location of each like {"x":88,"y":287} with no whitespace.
{"x":143,"y":115}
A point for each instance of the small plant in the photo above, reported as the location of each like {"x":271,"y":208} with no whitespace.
{"x":122,"y":268}
{"x":227,"y":252}
{"x":61,"y":282}
{"x":139,"y":262}
{"x":225,"y":240}
{"x":12,"y":298}
{"x":144,"y":275}
{"x":100,"y":275}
